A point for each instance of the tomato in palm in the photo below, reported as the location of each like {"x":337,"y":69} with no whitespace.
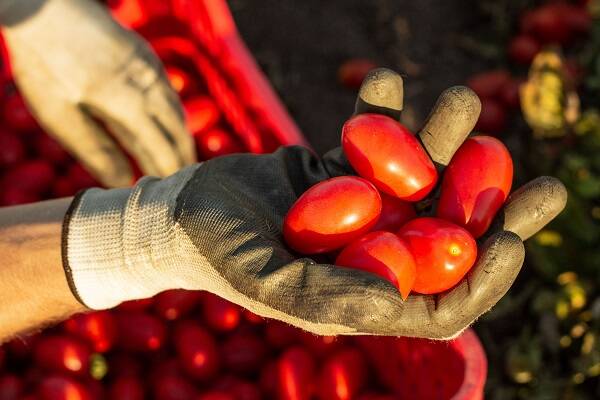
{"x":383,"y":151}
{"x":476,"y":184}
{"x":443,"y":252}
{"x":394,"y":214}
{"x":383,"y":254}
{"x":331,"y":214}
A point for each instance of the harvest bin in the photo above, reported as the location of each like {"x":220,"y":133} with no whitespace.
{"x":199,"y":38}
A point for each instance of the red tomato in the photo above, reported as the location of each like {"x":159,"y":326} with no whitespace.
{"x":215,"y":395}
{"x":201,"y":114}
{"x":239,"y":388}
{"x":17,"y":115}
{"x":320,"y":346}
{"x":2,"y":357}
{"x":180,"y":81}
{"x":80,"y":177}
{"x":140,"y":332}
{"x":295,"y":372}
{"x":492,"y":118}
{"x":394,"y":214}
{"x":549,"y":25}
{"x":510,"y":93}
{"x":173,"y":387}
{"x":375,"y":396}
{"x":343,"y":375}
{"x":220,"y":314}
{"x":279,"y":334}
{"x":173,"y":304}
{"x":523,"y":48}
{"x":196,"y":350}
{"x":121,"y":364}
{"x":49,"y":149}
{"x":383,"y":254}
{"x":62,"y":354}
{"x":331,"y":214}
{"x":33,"y":176}
{"x":252,"y":318}
{"x":126,"y":388}
{"x":443,"y":253}
{"x":383,"y":151}
{"x":11,"y":387}
{"x":12,"y":196}
{"x":476,"y":184}
{"x":12,"y":150}
{"x":97,"y":328}
{"x":488,"y":84}
{"x":216,"y":142}
{"x":62,"y":388}
{"x":243,"y":352}
{"x":353,"y":72}
{"x":63,"y":187}
{"x":268,"y":379}
{"x":136,"y":305}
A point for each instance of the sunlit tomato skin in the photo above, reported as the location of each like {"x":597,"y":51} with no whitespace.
{"x":343,"y":375}
{"x":140,"y":332}
{"x":196,"y":350}
{"x":394,"y":214}
{"x":387,"y":154}
{"x":219,"y":314}
{"x":443,"y":252}
{"x":216,"y":142}
{"x":476,"y":184}
{"x":173,"y":304}
{"x":383,"y":254}
{"x":352,"y":72}
{"x":62,"y":388}
{"x":97,"y":328}
{"x":488,"y":84}
{"x":62,"y":354}
{"x":331,"y":214}
{"x":295,"y":374}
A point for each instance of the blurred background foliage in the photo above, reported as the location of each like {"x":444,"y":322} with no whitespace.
{"x":543,"y":338}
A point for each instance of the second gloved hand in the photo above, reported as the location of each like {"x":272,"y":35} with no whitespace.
{"x":75,"y":65}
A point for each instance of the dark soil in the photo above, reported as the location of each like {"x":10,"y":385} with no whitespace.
{"x":301,"y":43}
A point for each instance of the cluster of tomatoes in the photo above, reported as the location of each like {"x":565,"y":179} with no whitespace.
{"x":555,"y":24}
{"x":371,"y":217}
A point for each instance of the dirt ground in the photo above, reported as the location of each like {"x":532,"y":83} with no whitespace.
{"x":300,"y":45}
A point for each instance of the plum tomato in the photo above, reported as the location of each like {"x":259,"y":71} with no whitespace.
{"x":387,"y":154}
{"x":343,"y":375}
{"x":523,"y":48}
{"x":331,"y":214}
{"x":383,"y":254}
{"x":394,"y":214}
{"x":492,"y":118}
{"x":488,"y":84}
{"x":443,"y":252}
{"x":352,"y":72}
{"x":295,"y":374}
{"x":476,"y":184}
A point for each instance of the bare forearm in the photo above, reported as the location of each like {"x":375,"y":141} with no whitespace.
{"x":33,"y":288}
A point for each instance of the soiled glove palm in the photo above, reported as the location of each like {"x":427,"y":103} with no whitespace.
{"x":75,"y":65}
{"x":217,"y":227}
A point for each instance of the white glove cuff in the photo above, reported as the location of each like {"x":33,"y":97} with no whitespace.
{"x":115,"y":242}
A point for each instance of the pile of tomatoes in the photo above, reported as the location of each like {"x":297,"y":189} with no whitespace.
{"x":371,"y":217}
{"x":552,"y":25}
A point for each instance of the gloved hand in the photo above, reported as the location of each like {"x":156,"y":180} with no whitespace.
{"x":216,"y":226}
{"x":72,"y":62}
